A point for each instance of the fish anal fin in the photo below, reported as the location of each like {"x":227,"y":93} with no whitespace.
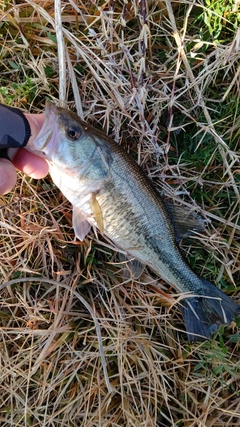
{"x":132,"y":267}
{"x":203,"y":314}
{"x":80,"y":224}
{"x":97,"y":212}
{"x":185,"y":220}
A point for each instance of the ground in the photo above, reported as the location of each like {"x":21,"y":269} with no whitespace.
{"x":162,"y":79}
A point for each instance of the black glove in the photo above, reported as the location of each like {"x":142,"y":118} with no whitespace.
{"x":14,"y":129}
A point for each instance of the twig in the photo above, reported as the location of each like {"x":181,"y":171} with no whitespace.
{"x":61,"y":52}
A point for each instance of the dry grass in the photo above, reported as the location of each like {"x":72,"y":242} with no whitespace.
{"x":166,"y":86}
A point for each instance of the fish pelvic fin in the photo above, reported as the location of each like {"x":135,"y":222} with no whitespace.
{"x":80,"y":223}
{"x":204,"y":313}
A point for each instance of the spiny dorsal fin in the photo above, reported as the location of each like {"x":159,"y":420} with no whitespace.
{"x":185,"y":220}
{"x":97,"y":212}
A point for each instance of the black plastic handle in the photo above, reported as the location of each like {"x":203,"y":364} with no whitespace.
{"x":14,"y":129}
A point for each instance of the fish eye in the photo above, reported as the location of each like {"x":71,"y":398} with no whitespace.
{"x":73,"y":133}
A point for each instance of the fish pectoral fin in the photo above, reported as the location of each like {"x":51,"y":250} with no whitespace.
{"x":185,"y":220}
{"x":97,"y":212}
{"x":132,"y":267}
{"x":80,"y":224}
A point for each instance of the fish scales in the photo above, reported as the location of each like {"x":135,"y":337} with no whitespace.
{"x":131,"y":219}
{"x":110,"y":191}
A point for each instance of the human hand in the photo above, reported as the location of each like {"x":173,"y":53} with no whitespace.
{"x":22,"y":159}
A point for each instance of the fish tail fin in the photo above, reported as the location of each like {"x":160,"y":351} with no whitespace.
{"x":204,"y":313}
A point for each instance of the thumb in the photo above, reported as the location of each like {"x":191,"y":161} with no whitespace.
{"x":8,"y":176}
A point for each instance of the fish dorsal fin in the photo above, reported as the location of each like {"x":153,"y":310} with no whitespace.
{"x":97,"y":212}
{"x":132,"y":267}
{"x":185,"y":220}
{"x":80,"y":223}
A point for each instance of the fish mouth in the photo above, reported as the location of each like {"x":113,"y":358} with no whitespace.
{"x":41,"y":145}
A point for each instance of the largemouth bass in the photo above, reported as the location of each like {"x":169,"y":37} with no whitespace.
{"x":108,"y":190}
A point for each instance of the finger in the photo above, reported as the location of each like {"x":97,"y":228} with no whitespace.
{"x":8,"y":176}
{"x":30,"y":164}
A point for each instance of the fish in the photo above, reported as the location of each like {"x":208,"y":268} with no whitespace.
{"x":109,"y":191}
